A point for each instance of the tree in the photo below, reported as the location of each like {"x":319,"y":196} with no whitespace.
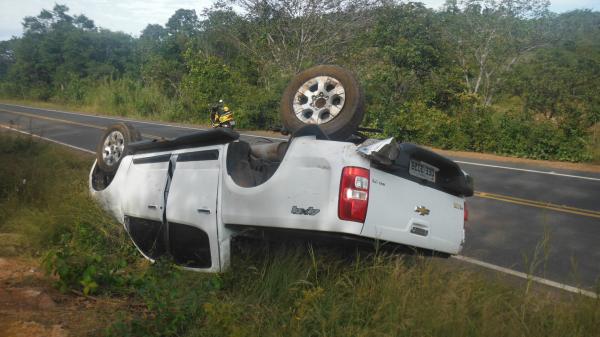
{"x":491,"y":36}
{"x":58,"y":51}
{"x":564,"y":77}
{"x":163,"y":48}
{"x":7,"y":57}
{"x":295,"y":33}
{"x":183,"y":22}
{"x":154,"y":34}
{"x":55,"y":19}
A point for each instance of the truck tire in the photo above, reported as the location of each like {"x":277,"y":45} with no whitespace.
{"x":326,"y":95}
{"x":114,"y":144}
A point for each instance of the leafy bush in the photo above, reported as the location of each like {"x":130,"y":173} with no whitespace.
{"x":92,"y":257}
{"x":486,"y":130}
{"x":172,"y":301}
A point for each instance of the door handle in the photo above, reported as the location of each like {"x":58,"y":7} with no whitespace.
{"x":152,"y":207}
{"x":203,"y":210}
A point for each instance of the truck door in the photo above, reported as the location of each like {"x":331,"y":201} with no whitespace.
{"x":143,"y":202}
{"x":191,"y":211}
{"x":143,"y":195}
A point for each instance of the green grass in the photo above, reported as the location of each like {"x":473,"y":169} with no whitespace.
{"x":40,"y":184}
{"x":276,"y":289}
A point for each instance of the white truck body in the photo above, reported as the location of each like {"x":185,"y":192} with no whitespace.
{"x":186,"y":202}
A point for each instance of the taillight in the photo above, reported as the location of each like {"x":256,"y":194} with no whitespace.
{"x":466,"y":212}
{"x":354,"y":194}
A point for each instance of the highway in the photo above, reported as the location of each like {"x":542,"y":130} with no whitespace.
{"x":528,"y":218}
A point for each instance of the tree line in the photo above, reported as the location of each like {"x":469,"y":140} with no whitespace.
{"x":502,"y":76}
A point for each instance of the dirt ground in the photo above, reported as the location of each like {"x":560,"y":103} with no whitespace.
{"x":31,"y":307}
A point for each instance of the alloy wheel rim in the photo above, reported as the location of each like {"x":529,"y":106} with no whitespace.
{"x":114,"y":144}
{"x":319,"y":100}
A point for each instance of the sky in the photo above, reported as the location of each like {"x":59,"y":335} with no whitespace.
{"x":131,"y":16}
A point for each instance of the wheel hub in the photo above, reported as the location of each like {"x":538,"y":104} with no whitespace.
{"x":319,"y":100}
{"x":114,"y":144}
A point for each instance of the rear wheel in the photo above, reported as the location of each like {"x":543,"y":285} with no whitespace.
{"x":328,"y":96}
{"x":114,"y":144}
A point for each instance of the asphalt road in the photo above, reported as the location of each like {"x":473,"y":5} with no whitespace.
{"x":528,"y":218}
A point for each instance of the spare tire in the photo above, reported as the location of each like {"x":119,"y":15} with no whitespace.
{"x":328,"y":96}
{"x":114,"y":144}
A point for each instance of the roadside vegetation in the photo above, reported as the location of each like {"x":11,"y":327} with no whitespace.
{"x":507,"y":77}
{"x":273,"y":289}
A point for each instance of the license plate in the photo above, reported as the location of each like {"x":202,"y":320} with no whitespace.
{"x":422,"y":170}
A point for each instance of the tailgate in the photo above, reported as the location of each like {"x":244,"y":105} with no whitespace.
{"x":407,"y":212}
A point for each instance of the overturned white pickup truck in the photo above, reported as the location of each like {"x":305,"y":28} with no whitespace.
{"x":189,"y":196}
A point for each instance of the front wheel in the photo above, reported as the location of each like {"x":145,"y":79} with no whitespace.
{"x":114,"y":144}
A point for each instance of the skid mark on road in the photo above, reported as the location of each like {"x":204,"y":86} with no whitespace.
{"x":539,"y":204}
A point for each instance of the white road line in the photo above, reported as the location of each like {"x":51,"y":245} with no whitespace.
{"x":528,"y":170}
{"x":278,"y":138}
{"x":48,"y":139}
{"x":525,"y":276}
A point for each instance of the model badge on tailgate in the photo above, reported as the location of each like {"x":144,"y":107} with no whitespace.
{"x":305,"y":211}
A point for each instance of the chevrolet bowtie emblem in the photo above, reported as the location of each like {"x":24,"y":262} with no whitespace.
{"x":422,"y":210}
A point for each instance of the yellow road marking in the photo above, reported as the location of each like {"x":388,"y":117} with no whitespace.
{"x":539,"y":204}
{"x":64,"y":121}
